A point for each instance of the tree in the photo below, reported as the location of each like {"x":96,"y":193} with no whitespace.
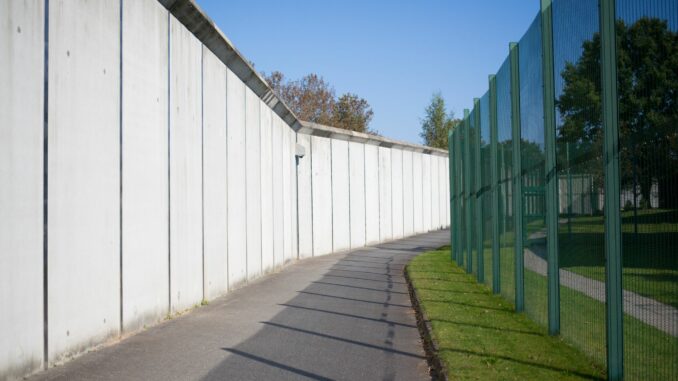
{"x":436,"y":123}
{"x":313,"y":99}
{"x":352,"y":113}
{"x":310,"y":98}
{"x":647,"y":87}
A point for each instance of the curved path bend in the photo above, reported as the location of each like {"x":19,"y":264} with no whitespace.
{"x":344,"y":316}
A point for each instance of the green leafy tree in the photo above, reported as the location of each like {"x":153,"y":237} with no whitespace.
{"x":647,"y":87}
{"x":313,"y":99}
{"x":436,"y":123}
{"x":352,"y":113}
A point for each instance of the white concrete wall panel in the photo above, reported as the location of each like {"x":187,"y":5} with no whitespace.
{"x":426,"y":191}
{"x":356,"y":159}
{"x":253,"y":183}
{"x":145,"y":212}
{"x":435,"y":193}
{"x":418,"y":192}
{"x":305,"y":198}
{"x":341,"y":237}
{"x":371,"y":194}
{"x":385,"y":198}
{"x":237,"y":199}
{"x":185,"y":168}
{"x":397,"y":192}
{"x":321,"y":171}
{"x":287,"y":194}
{"x":266,"y":187}
{"x":408,"y":194}
{"x":293,"y":195}
{"x":84,"y":175}
{"x":278,"y":219}
{"x":21,"y":189}
{"x":214,"y":175}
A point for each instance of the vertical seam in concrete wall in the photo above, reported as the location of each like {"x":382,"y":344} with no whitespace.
{"x":379,"y":194}
{"x":296,"y":172}
{"x":365,"y":190}
{"x":228,"y":265}
{"x":390,"y":173}
{"x":332,"y":190}
{"x":261,"y":196}
{"x":247,"y":278}
{"x":45,"y":131}
{"x":348,"y":155}
{"x":414,"y":227}
{"x":310,"y":153}
{"x":421,"y":168}
{"x":120,"y":163}
{"x":272,"y":192}
{"x":202,"y":162}
{"x":169,"y":165}
{"x":402,"y":185}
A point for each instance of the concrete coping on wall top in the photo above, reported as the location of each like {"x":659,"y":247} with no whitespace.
{"x":316,"y":129}
{"x":197,"y":22}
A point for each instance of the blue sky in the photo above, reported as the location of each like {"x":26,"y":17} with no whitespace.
{"x":395,"y":54}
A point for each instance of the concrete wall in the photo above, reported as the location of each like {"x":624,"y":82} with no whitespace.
{"x":253,"y":183}
{"x":341,"y":213}
{"x":356,"y":163}
{"x":21,"y":192}
{"x":237,"y":193}
{"x":426,"y":191}
{"x":267,"y":189}
{"x":321,"y":164}
{"x":278,"y":220}
{"x":397,"y":191}
{"x":408,"y":194}
{"x":215,"y":159}
{"x":169,"y":175}
{"x":145,"y":196}
{"x":305,"y":195}
{"x":372,"y":204}
{"x":83,"y":165}
{"x":385,"y":195}
{"x":417,"y":189}
{"x":364,"y":189}
{"x":185,"y":168}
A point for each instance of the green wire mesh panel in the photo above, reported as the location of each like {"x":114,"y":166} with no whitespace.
{"x":463,"y":202}
{"x":485,"y":190}
{"x":580,"y":176}
{"x":504,"y":159}
{"x":647,"y":85}
{"x":473,"y":183}
{"x":533,"y":177}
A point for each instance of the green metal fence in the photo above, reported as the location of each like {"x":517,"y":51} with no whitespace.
{"x":564,"y":179}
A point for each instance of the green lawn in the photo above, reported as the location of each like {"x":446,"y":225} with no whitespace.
{"x":649,"y":353}
{"x":479,"y":335}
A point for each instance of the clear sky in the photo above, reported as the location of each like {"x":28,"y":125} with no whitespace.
{"x":395,"y":54}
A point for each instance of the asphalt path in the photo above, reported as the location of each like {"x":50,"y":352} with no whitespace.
{"x":344,"y":316}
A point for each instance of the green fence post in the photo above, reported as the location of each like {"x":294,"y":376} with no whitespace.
{"x":551,"y":186}
{"x":467,"y":191}
{"x":494,"y":193}
{"x":516,"y":178}
{"x":450,"y":165}
{"x":613,"y":237}
{"x":480,"y":261}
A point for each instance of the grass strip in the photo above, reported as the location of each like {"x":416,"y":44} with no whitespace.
{"x":480,"y":337}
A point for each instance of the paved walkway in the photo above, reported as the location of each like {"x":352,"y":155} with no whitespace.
{"x":342,"y":316}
